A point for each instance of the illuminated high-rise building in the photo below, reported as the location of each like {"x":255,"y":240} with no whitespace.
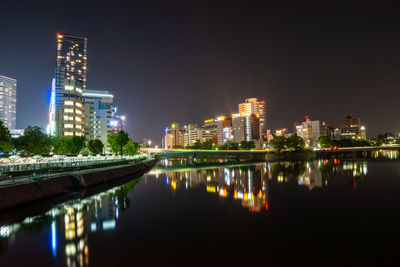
{"x":255,"y":106}
{"x":8,"y":101}
{"x":245,"y":127}
{"x":98,"y":115}
{"x":67,"y":103}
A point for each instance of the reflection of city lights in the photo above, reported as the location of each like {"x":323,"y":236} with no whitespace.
{"x":109,"y":224}
{"x":93,"y":227}
{"x":211,"y":189}
{"x":173,"y":185}
{"x":53,"y":238}
{"x":70,"y":249}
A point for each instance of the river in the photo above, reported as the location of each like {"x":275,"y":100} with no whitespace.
{"x":281,"y":213}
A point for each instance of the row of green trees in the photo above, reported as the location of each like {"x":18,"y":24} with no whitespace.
{"x":326,"y":142}
{"x":209,"y":145}
{"x":35,"y":142}
{"x":291,"y":143}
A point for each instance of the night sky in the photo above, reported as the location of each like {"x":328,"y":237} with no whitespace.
{"x":187,"y":61}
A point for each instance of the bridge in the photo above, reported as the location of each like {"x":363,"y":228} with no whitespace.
{"x":215,"y":154}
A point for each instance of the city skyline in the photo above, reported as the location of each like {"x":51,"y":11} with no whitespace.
{"x":315,"y":61}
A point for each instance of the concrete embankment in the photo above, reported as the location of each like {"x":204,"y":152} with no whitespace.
{"x":26,"y":193}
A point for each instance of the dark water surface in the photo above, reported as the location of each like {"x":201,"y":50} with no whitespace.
{"x":298,"y":213}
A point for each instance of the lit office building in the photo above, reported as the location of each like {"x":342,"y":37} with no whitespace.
{"x":255,"y":106}
{"x":174,"y":137}
{"x":66,"y":105}
{"x":224,"y":129}
{"x":8,"y":101}
{"x":209,"y":130}
{"x":310,"y":131}
{"x":192,"y":133}
{"x":98,"y":115}
{"x":352,"y":128}
{"x":245,"y":128}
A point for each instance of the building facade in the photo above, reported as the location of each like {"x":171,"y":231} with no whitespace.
{"x":210,"y":130}
{"x":310,"y":131}
{"x":8,"y":102}
{"x":98,"y":115}
{"x":174,"y":137}
{"x":352,"y":128}
{"x":245,"y":128}
{"x":67,"y":103}
{"x":224,"y":128}
{"x":192,"y":133}
{"x":255,"y":106}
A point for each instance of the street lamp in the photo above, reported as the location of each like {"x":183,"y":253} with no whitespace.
{"x":149,"y":142}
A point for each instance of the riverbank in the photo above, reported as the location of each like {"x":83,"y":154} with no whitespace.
{"x":26,"y":193}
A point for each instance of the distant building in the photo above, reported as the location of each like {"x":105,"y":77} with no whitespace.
{"x":255,"y":106}
{"x":174,"y":137}
{"x":281,"y":132}
{"x":192,"y":133}
{"x":363,"y":133}
{"x":351,"y":127}
{"x":224,"y":129}
{"x":8,"y":101}
{"x":66,"y":105}
{"x":310,"y":131}
{"x":210,"y":130}
{"x":245,"y":128}
{"x":16,"y":133}
{"x":98,"y":115}
{"x":117,"y":121}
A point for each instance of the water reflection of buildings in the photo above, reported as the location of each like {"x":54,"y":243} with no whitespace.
{"x":76,"y":219}
{"x":245,"y":183}
{"x":250,"y":184}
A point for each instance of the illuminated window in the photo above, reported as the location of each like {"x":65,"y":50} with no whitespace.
{"x":68,"y":103}
{"x":68,"y":133}
{"x":68,"y":87}
{"x":79,"y":90}
{"x":78,"y":104}
{"x":68,"y":125}
{"x":68,"y":118}
{"x":78,"y":111}
{"x":78,"y":119}
{"x":78,"y":126}
{"x":68,"y":110}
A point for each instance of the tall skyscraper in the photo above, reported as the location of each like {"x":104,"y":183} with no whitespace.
{"x":8,"y":101}
{"x":67,"y":103}
{"x":98,"y":115}
{"x":255,"y":106}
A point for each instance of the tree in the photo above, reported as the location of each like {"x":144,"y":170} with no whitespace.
{"x":325,"y":142}
{"x":6,"y":144}
{"x":295,"y":143}
{"x":34,"y":141}
{"x":278,"y":143}
{"x":117,"y":141}
{"x":95,"y":146}
{"x":68,"y":144}
{"x":247,"y":145}
{"x":208,"y":145}
{"x":131,"y":148}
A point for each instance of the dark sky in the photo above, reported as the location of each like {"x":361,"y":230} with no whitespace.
{"x":187,"y":61}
